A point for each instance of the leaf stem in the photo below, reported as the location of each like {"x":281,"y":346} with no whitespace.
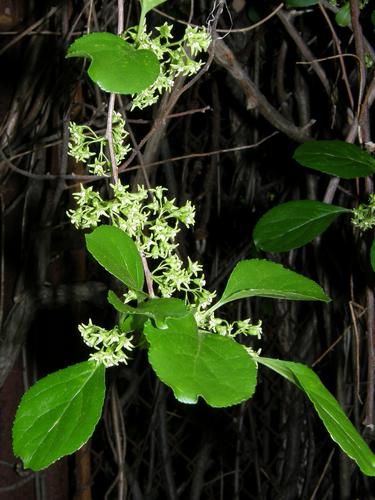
{"x":148,"y":276}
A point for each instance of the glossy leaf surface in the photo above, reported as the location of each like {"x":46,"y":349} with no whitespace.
{"x":115,"y":65}
{"x":263,"y":278}
{"x":301,"y":3}
{"x":332,"y":415}
{"x":343,"y":17}
{"x":337,"y":158}
{"x":118,"y":254}
{"x":372,"y":254}
{"x":160,"y":310}
{"x":293,"y":224}
{"x":147,"y":5}
{"x":197,"y":364}
{"x":58,"y":414}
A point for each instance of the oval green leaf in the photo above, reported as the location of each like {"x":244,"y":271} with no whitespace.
{"x":115,"y":65}
{"x":58,"y":414}
{"x":197,"y":364}
{"x":372,"y":254}
{"x":301,"y":3}
{"x":159,"y":309}
{"x":337,"y":158}
{"x":118,"y":254}
{"x":293,"y":224}
{"x":264,"y":278}
{"x":343,"y":17}
{"x":147,"y":5}
{"x":340,"y":428}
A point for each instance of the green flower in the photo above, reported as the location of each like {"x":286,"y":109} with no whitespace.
{"x":109,"y":344}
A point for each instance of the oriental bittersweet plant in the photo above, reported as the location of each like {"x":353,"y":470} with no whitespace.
{"x":165,"y":307}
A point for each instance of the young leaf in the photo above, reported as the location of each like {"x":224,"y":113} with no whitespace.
{"x":202,"y":364}
{"x":160,"y":310}
{"x":336,"y":158}
{"x":264,"y":278}
{"x":118,"y":254}
{"x":333,"y":417}
{"x":343,"y":17}
{"x":301,"y":3}
{"x":58,"y":414}
{"x":293,"y":224}
{"x":372,"y":254}
{"x":115,"y":65}
{"x":147,"y":5}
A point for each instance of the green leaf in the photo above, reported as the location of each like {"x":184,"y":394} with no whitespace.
{"x":115,"y":65}
{"x":293,"y":224}
{"x":147,"y":5}
{"x":264,"y":278}
{"x":343,"y":17}
{"x":58,"y":414}
{"x":373,"y":17}
{"x":337,"y":158}
{"x":160,"y":310}
{"x":118,"y":254}
{"x":301,"y":3}
{"x":202,"y":364}
{"x":372,"y":254}
{"x":332,"y":415}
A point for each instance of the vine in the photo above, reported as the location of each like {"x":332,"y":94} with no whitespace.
{"x":191,"y":349}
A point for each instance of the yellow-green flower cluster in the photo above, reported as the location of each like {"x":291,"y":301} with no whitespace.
{"x":209,"y":322}
{"x":364,"y":215}
{"x":110,"y":345}
{"x":176,"y":57}
{"x":88,"y":147}
{"x":153,"y":221}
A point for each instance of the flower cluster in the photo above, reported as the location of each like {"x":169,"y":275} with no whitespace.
{"x":209,"y":322}
{"x":153,"y":221}
{"x":176,"y":57}
{"x":364,"y":215}
{"x":110,"y":345}
{"x":88,"y":147}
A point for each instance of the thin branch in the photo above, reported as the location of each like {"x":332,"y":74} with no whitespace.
{"x":225,"y":57}
{"x":363,"y":117}
{"x":370,"y":337}
{"x":148,"y":276}
{"x":304,"y":49}
{"x":109,"y":137}
{"x":112,"y":97}
{"x":198,"y":155}
{"x":230,"y":31}
{"x":28,"y":30}
{"x":340,"y":54}
{"x":356,"y":351}
{"x":120,"y":17}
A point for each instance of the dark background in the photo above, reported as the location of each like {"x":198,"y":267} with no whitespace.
{"x":273,"y":446}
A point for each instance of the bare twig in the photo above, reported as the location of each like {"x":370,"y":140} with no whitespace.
{"x":356,"y":351}
{"x":304,"y":49}
{"x":109,"y":137}
{"x":230,"y":31}
{"x":341,"y":60}
{"x":31,"y":28}
{"x":148,"y":276}
{"x":225,"y":57}
{"x":165,"y":450}
{"x":370,"y":336}
{"x":363,"y":118}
